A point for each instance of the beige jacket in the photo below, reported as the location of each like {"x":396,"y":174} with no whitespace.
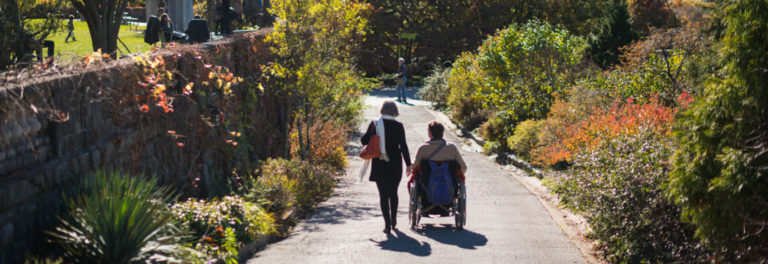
{"x":449,"y":152}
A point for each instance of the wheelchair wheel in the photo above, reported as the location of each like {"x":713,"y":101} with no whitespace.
{"x":414,"y":208}
{"x":460,"y":207}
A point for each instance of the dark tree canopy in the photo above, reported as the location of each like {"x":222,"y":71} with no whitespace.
{"x":445,"y":28}
{"x":651,"y":14}
{"x":611,"y":33}
{"x":20,"y":36}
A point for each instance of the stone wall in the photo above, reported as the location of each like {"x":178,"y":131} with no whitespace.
{"x":56,"y":127}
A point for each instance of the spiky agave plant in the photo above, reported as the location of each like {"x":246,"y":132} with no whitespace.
{"x":118,"y":218}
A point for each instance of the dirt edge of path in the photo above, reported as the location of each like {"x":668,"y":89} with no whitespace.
{"x":573,"y":225}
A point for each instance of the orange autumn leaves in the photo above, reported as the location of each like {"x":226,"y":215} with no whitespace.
{"x":156,"y":96}
{"x":155,"y":76}
{"x":586,"y":134}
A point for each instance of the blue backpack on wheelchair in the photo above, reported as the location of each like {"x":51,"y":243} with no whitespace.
{"x":440,"y":188}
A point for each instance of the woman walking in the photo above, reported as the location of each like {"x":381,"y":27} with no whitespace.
{"x":387,"y":170}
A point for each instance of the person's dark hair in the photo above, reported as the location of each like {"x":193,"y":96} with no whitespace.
{"x":164,"y":17}
{"x":71,"y":17}
{"x":389,"y":108}
{"x":436,"y":129}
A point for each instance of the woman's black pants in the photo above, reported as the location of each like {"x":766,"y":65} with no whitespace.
{"x":388,"y":199}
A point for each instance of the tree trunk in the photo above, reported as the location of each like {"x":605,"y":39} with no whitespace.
{"x":211,"y":16}
{"x":18,"y":28}
{"x":103,"y":18}
{"x":308,"y":150}
{"x":301,"y":139}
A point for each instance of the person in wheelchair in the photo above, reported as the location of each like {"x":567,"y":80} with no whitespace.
{"x":434,"y":154}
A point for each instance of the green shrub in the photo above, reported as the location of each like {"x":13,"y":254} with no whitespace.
{"x":219,"y":227}
{"x":436,"y":89}
{"x":618,"y":188}
{"x":292,"y":181}
{"x":513,"y":76}
{"x":492,"y":130}
{"x":337,"y":159}
{"x":524,"y":65}
{"x":118,"y":219}
{"x":719,"y":176}
{"x":525,"y":138}
{"x":463,"y":80}
{"x":611,"y":33}
{"x":276,"y":191}
{"x":491,"y":147}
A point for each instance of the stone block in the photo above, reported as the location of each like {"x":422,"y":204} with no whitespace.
{"x":42,"y":153}
{"x":13,"y":193}
{"x":6,"y":234}
{"x":49,"y":173}
{"x":69,"y":143}
{"x":84,"y":162}
{"x":108,"y":152}
{"x":62,"y":168}
{"x":96,"y":158}
{"x":29,"y":209}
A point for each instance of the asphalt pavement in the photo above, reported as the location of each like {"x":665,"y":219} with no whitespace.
{"x":505,"y":223}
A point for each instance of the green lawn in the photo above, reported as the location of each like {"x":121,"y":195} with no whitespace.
{"x":133,"y":39}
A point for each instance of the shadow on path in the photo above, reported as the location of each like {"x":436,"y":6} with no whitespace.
{"x":447,"y":234}
{"x":401,"y":242}
{"x":339,"y":214}
{"x":390,"y":93}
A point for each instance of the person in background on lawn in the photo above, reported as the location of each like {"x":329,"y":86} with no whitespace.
{"x":71,"y":29}
{"x":401,"y":78}
{"x":387,"y":169}
{"x":167,"y":29}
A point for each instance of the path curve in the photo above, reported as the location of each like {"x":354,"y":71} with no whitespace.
{"x":505,"y":222}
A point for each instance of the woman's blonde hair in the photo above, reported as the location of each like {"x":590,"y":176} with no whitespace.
{"x":389,"y":108}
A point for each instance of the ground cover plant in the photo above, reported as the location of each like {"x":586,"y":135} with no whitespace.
{"x":618,"y":188}
{"x":284,"y":186}
{"x":220,"y":227}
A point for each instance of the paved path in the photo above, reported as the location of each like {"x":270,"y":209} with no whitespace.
{"x":505,"y":222}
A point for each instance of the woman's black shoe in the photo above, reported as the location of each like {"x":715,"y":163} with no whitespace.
{"x":387,"y":230}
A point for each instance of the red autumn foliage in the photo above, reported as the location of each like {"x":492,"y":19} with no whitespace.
{"x":621,"y":119}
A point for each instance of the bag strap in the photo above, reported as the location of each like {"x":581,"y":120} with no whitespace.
{"x":373,"y":122}
{"x":436,"y":151}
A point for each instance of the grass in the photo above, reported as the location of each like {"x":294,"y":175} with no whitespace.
{"x":133,"y":39}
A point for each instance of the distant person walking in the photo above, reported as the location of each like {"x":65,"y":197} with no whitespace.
{"x":71,"y":29}
{"x":387,"y":169}
{"x":167,"y":29}
{"x":401,"y":79}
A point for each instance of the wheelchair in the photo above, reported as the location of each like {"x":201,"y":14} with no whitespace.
{"x":420,"y":205}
